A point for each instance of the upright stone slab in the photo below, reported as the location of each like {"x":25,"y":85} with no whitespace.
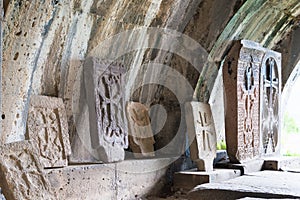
{"x":104,"y":87}
{"x":140,"y":134}
{"x":47,"y":127}
{"x":270,"y":85}
{"x":21,"y":175}
{"x":201,"y":131}
{"x":241,"y":73}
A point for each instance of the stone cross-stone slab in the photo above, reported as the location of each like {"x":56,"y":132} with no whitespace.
{"x":105,"y":96}
{"x":47,"y":127}
{"x":21,"y":174}
{"x":201,"y":131}
{"x":270,"y":112}
{"x":140,"y":134}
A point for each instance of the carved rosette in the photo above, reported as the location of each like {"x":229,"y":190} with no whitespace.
{"x":270,"y":102}
{"x":47,"y":127}
{"x":201,"y":131}
{"x":140,"y":134}
{"x":104,"y":87}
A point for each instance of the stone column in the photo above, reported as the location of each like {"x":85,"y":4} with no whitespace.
{"x":201,"y":131}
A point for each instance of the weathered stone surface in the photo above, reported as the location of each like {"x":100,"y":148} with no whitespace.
{"x":48,"y":128}
{"x":104,"y":89}
{"x":282,"y":163}
{"x":130,"y":179}
{"x":201,"y":130}
{"x":264,"y":184}
{"x":140,"y":134}
{"x":21,"y":173}
{"x":2,"y":197}
{"x":270,"y":104}
{"x":241,"y":72}
{"x":187,"y":180}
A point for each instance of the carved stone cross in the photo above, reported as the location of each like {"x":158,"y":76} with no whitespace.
{"x":202,"y":135}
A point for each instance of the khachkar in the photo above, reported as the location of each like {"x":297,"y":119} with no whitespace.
{"x":21,"y":173}
{"x":270,"y":84}
{"x":104,"y":87}
{"x":243,"y":100}
{"x":140,"y":133}
{"x":47,"y":126}
{"x":201,"y":131}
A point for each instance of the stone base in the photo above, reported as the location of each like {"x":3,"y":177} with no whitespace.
{"x":264,"y":184}
{"x":129,"y":179}
{"x":247,"y":167}
{"x":187,"y":180}
{"x":283,"y":163}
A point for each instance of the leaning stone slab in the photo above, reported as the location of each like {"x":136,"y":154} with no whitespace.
{"x":105,"y":98}
{"x":201,"y":131}
{"x":140,"y":133}
{"x":47,"y":127}
{"x":21,"y":174}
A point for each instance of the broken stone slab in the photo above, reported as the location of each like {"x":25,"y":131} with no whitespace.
{"x":187,"y":180}
{"x":201,"y":131}
{"x":21,"y":174}
{"x":140,"y":134}
{"x":264,"y":184}
{"x":105,"y":99}
{"x":47,"y":126}
{"x":241,"y":76}
{"x":283,"y":163}
{"x":251,"y":166}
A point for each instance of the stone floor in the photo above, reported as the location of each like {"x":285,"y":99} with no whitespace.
{"x":258,"y":185}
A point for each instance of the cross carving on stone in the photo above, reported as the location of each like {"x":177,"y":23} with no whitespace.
{"x":206,"y":132}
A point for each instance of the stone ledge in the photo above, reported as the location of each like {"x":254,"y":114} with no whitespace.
{"x":246,"y":167}
{"x":187,"y":180}
{"x":281,"y":163}
{"x":130,"y":179}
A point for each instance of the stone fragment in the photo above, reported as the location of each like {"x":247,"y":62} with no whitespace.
{"x":241,"y":82}
{"x":48,"y":128}
{"x":21,"y":175}
{"x":2,"y":197}
{"x":104,"y":87}
{"x":270,"y":87}
{"x":140,"y":134}
{"x":201,"y":131}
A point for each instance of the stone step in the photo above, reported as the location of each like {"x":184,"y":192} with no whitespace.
{"x":284,"y":163}
{"x":264,"y":184}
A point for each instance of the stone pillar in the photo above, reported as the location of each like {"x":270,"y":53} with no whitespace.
{"x":140,"y":134}
{"x":247,"y":93}
{"x":201,"y":131}
{"x":104,"y":88}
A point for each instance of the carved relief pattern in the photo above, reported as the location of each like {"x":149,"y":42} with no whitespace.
{"x":45,"y":128}
{"x":110,"y":105}
{"x":22,"y":172}
{"x":140,"y":133}
{"x":270,"y":103}
{"x":248,"y":110}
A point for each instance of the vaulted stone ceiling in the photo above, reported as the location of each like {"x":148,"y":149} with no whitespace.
{"x":45,"y":43}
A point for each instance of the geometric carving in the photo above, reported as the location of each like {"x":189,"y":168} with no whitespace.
{"x":201,"y":131}
{"x":241,"y":75}
{"x":47,"y":127}
{"x":104,"y":87}
{"x":21,"y":175}
{"x":139,"y":127}
{"x":270,"y":102}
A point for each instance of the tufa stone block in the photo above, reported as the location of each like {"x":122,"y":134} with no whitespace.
{"x":47,"y":127}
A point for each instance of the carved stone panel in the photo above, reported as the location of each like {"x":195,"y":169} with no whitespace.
{"x":270,"y":102}
{"x":21,"y":175}
{"x":140,"y":134}
{"x":201,"y":131}
{"x":47,"y":127}
{"x":104,"y":87}
{"x":241,"y":72}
